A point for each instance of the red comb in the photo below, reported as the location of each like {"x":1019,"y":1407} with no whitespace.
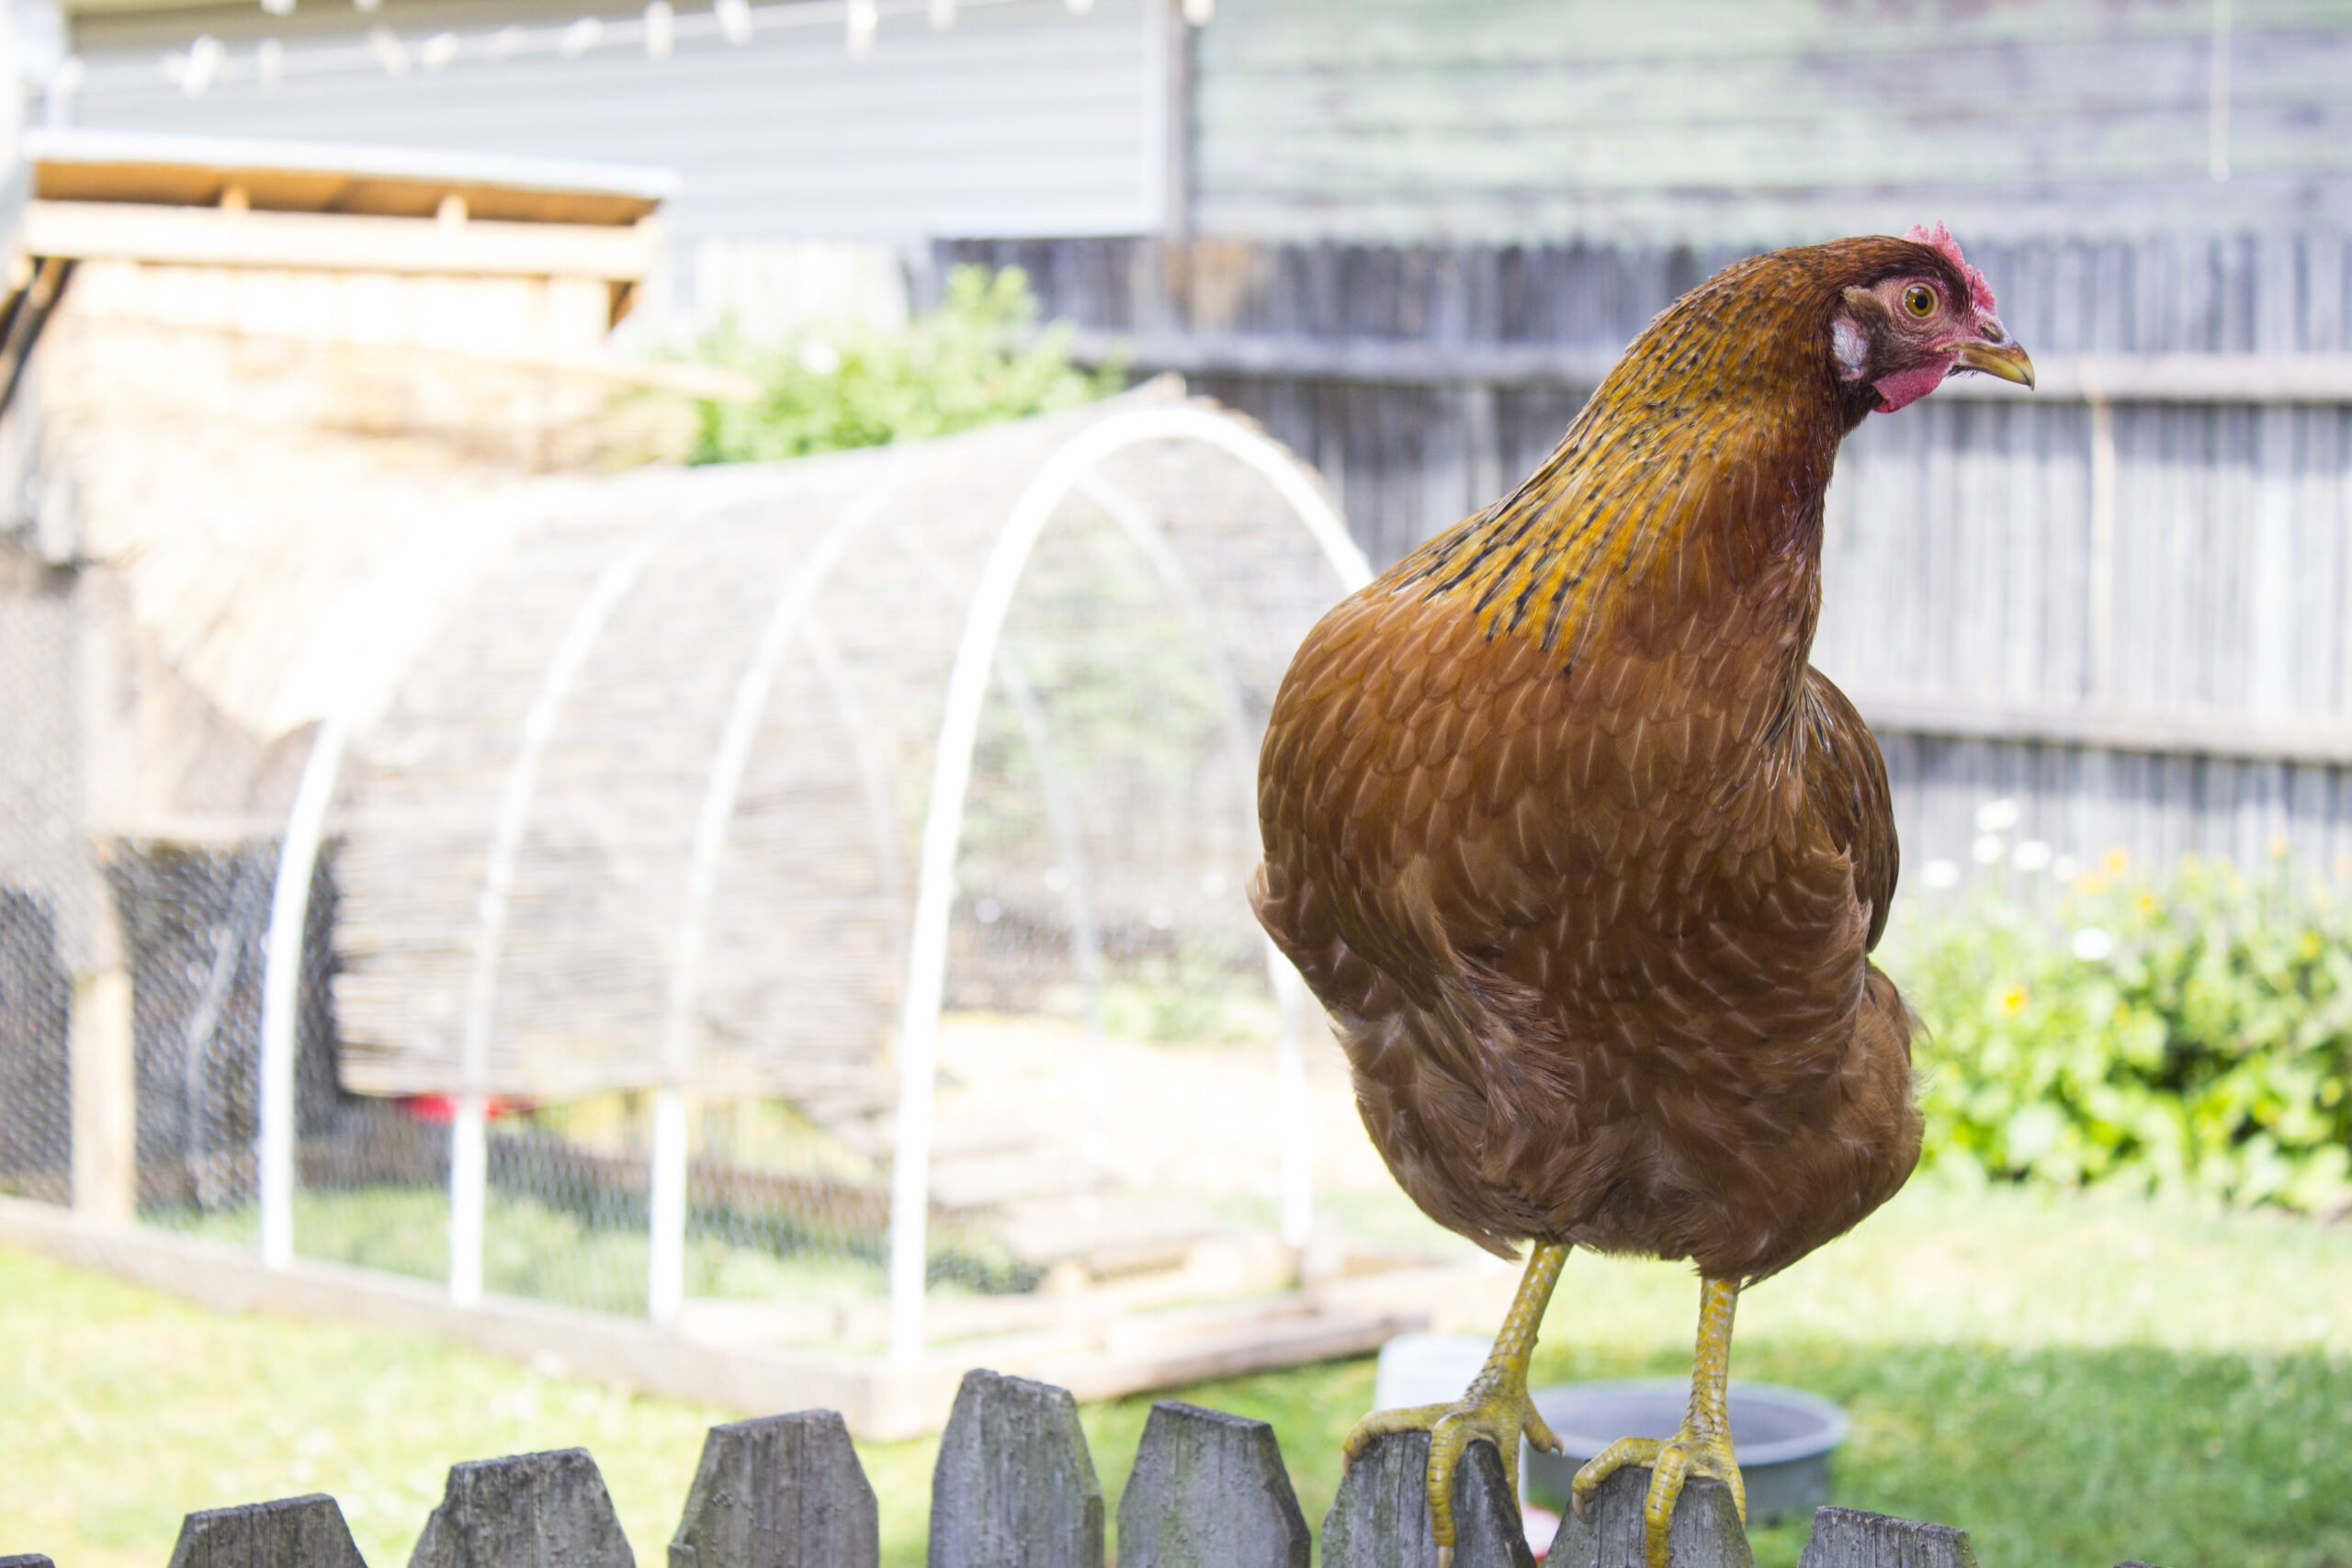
{"x":1980,"y":293}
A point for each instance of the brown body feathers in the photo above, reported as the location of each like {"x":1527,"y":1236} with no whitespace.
{"x":1584,"y":859}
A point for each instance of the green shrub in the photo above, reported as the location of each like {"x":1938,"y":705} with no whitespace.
{"x":2190,"y":1036}
{"x":976,"y":359}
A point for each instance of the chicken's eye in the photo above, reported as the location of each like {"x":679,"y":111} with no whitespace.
{"x":1919,"y":300}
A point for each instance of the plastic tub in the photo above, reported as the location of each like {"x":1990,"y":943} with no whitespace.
{"x":1784,"y":1437}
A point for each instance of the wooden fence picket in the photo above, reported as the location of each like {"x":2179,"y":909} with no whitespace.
{"x":1848,"y":1538}
{"x":1381,"y":1517}
{"x":543,"y":1510}
{"x":785,"y":1492}
{"x":1706,"y":1531}
{"x":293,"y":1533}
{"x":1014,"y":1486}
{"x":27,"y":1560}
{"x":1209,"y":1491}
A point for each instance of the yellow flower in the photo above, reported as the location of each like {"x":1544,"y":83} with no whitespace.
{"x":2117,"y":860}
{"x":2013,"y":1000}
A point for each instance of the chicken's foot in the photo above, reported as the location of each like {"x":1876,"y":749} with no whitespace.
{"x":1495,"y":1407}
{"x":1703,"y":1446}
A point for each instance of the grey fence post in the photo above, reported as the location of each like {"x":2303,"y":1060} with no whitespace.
{"x":1209,"y":1491}
{"x":1704,"y":1533}
{"x":545,"y":1510}
{"x":294,"y":1532}
{"x":1014,"y":1486}
{"x":1381,"y":1517}
{"x":785,"y":1492}
{"x":27,"y":1560}
{"x":1848,"y":1538}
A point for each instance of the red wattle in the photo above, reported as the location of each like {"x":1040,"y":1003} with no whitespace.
{"x":1907,"y":387}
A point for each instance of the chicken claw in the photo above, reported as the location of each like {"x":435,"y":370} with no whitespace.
{"x":1496,"y":1406}
{"x":1702,"y":1446}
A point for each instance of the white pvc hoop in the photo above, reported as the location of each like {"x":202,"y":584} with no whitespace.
{"x":666,"y":1237}
{"x":952,"y":772}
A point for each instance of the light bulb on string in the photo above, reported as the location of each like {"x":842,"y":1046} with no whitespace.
{"x":734,"y":19}
{"x":390,"y":53}
{"x":862,"y":17}
{"x":579,"y":37}
{"x":269,"y":61}
{"x":660,"y":29}
{"x":279,"y":7}
{"x":1200,"y":13}
{"x":942,"y":14}
{"x":438,"y":50}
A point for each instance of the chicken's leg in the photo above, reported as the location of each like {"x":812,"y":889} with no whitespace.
{"x":1702,"y":1447}
{"x":1495,"y":1406}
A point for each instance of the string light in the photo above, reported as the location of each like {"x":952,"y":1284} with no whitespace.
{"x":580,"y":38}
{"x":195,"y":70}
{"x":390,"y":53}
{"x":660,"y":28}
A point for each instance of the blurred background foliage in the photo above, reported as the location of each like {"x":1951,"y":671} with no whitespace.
{"x":978,"y":358}
{"x":2190,"y":1036}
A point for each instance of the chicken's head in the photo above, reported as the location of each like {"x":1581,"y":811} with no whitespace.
{"x":1903,"y":333}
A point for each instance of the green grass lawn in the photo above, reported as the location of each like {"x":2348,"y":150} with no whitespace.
{"x":2073,"y":1382}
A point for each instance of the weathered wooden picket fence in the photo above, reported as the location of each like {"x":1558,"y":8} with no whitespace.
{"x":1015,"y":1487}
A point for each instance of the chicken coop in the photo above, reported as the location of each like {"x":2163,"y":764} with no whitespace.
{"x":801,"y":904}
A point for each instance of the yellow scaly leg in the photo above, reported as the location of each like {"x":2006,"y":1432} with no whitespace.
{"x":1495,"y":1407}
{"x":1703,"y":1446}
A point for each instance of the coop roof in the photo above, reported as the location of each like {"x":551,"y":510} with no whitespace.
{"x":320,"y":177}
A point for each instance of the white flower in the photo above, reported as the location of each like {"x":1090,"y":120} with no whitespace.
{"x":2093,"y":944}
{"x":1987,"y":849}
{"x":1940,"y":874}
{"x":819,"y":358}
{"x":2031,"y":855}
{"x":1997,"y":816}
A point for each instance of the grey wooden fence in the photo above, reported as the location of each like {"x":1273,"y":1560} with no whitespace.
{"x":2123,"y":604}
{"x":1015,"y":1487}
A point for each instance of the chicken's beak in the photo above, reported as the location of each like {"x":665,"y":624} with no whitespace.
{"x":2004,"y":359}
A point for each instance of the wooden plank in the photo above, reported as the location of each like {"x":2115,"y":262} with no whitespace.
{"x":212,"y":237}
{"x":1014,"y":1486}
{"x":1706,"y":1531}
{"x":1381,"y":1517}
{"x":1849,"y":1538}
{"x":294,"y":1532}
{"x":785,"y":1492}
{"x":542,"y":1510}
{"x":1209,"y":1491}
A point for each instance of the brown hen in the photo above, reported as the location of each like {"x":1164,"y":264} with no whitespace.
{"x":1584,"y":858}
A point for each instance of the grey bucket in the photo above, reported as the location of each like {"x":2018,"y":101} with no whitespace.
{"x":1782,"y":1437}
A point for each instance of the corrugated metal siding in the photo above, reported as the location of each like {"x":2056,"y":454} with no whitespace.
{"x":1763,"y":120}
{"x":1022,"y":119}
